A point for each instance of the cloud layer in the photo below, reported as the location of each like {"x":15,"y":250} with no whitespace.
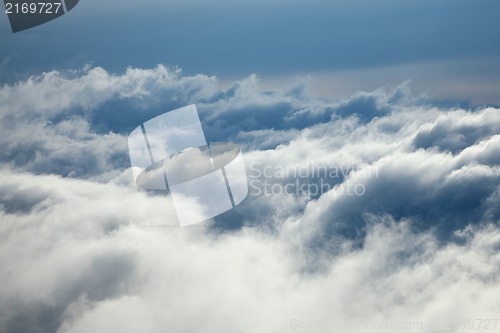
{"x":383,"y":209}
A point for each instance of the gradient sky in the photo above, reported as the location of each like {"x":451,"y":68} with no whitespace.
{"x":359,"y":44}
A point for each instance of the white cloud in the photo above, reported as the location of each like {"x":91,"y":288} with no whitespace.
{"x":53,"y":92}
{"x":86,"y":257}
{"x":81,"y":248}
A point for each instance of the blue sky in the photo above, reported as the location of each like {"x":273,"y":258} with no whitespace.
{"x":280,"y":39}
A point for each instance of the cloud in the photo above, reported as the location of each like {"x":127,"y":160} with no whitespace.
{"x":86,"y":261}
{"x":458,"y":130}
{"x":52,"y":92}
{"x":383,"y":210}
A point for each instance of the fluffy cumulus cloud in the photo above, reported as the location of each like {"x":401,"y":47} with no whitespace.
{"x":377,"y":212}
